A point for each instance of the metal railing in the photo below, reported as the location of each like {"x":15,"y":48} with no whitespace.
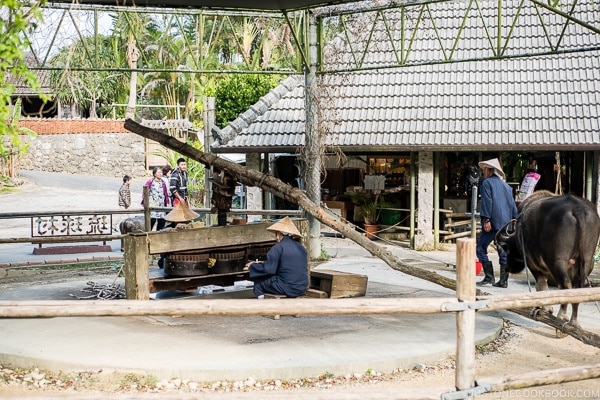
{"x":52,"y":227}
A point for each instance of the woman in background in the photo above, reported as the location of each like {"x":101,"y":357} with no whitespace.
{"x":159,"y":197}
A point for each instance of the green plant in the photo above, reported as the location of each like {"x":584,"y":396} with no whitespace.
{"x":371,"y":205}
{"x":324,"y":256}
{"x":237,"y":93}
{"x":18,"y":19}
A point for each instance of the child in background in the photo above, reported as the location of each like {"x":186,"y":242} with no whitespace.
{"x":125,"y":193}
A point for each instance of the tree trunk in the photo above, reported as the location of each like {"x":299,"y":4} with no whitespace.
{"x":132,"y":57}
{"x":277,"y":187}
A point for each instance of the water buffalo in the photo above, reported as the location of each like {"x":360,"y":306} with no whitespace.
{"x":558,"y":236}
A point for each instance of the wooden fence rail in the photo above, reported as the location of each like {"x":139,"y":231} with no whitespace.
{"x":298,"y":306}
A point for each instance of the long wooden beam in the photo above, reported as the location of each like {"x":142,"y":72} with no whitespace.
{"x":299,"y":306}
{"x":279,"y":188}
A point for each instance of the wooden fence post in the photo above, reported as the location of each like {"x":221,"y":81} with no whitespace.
{"x":146,"y":195}
{"x":136,"y":267}
{"x":465,"y":320}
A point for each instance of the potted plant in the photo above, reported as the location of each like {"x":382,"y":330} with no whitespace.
{"x":371,"y":206}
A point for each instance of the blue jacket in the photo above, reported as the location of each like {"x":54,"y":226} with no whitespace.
{"x":497,"y":202}
{"x":288,"y":262}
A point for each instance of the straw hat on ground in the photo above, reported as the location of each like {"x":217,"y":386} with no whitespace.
{"x":181,"y":213}
{"x":493,"y":163}
{"x":286,"y":226}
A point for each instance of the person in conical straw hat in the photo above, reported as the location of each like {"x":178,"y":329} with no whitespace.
{"x":285,"y":270}
{"x":181,"y":213}
{"x":493,"y":164}
{"x":496,"y":208}
{"x":286,"y":226}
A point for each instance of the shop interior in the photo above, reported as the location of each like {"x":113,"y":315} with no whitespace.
{"x":378,"y":182}
{"x":385,"y":179}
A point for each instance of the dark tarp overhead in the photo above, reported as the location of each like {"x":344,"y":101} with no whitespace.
{"x":260,"y":5}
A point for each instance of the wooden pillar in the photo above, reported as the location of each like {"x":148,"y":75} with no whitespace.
{"x":436,"y":199}
{"x":137,"y":264}
{"x":465,"y":320}
{"x":146,"y":194}
{"x":312,"y":148}
{"x":413,"y":198}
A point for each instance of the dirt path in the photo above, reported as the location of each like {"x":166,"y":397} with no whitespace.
{"x":519,"y":349}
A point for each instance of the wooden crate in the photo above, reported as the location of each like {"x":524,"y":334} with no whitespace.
{"x":339,"y":284}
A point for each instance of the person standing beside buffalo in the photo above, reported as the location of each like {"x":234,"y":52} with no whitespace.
{"x":496,"y":208}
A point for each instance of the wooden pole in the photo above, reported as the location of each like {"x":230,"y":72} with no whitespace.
{"x":436,"y":199}
{"x":146,"y":194}
{"x":222,"y":307}
{"x":136,"y":267}
{"x":539,"y":299}
{"x":413,"y":198}
{"x":290,"y":306}
{"x":273,"y":185}
{"x":465,"y":320}
{"x":540,"y":378}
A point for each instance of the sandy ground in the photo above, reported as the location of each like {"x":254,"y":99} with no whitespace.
{"x":524,"y":346}
{"x":517,"y":351}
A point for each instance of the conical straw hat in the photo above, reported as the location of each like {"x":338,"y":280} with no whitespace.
{"x":493,"y":163}
{"x":286,"y":225}
{"x":181,"y":213}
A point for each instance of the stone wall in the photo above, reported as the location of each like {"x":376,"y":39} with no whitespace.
{"x":92,"y":147}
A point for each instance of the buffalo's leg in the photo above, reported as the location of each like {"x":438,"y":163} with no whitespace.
{"x":563,"y":282}
{"x":541,"y":284}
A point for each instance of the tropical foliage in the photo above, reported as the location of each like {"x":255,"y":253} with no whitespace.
{"x":153,"y":65}
{"x":237,"y":93}
{"x":15,"y":18}
{"x":82,"y":86}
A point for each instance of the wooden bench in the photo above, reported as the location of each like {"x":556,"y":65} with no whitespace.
{"x":330,"y":284}
{"x":312,"y":293}
{"x":338,"y":284}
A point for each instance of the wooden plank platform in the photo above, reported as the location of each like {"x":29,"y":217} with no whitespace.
{"x":159,"y":281}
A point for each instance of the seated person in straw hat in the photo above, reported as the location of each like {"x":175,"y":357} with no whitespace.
{"x":285,"y":271}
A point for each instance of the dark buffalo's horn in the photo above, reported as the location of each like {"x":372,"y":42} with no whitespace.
{"x":507,"y":231}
